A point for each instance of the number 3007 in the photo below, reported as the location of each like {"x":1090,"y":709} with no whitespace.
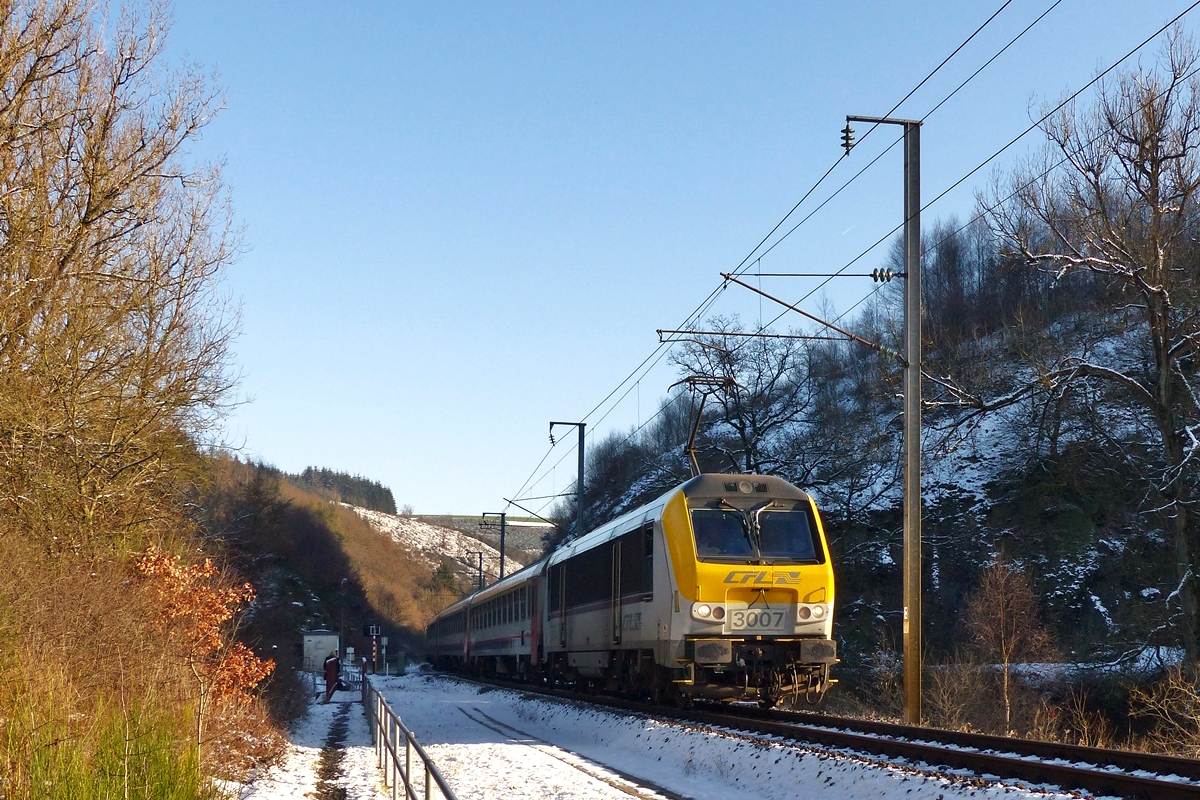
{"x":754,"y":619}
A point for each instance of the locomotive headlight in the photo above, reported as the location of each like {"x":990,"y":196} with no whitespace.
{"x":707,"y":612}
{"x":811,"y":613}
{"x":704,"y":611}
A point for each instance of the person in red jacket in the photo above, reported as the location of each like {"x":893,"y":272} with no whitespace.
{"x":333,"y":669}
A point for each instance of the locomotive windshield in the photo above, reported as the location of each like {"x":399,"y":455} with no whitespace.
{"x":753,"y":535}
{"x":785,"y":534}
{"x":721,"y":533}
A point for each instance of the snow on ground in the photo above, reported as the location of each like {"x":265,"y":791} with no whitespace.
{"x":491,"y":743}
{"x":299,"y":776}
{"x":432,"y":542}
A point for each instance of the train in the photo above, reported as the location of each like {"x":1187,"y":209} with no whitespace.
{"x":721,"y":589}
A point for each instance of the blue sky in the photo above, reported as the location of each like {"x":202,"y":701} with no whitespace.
{"x":465,"y":220}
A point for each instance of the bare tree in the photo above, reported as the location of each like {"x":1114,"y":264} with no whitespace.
{"x":1003,"y":618}
{"x":768,"y":394}
{"x":114,"y":331}
{"x":1113,"y":198}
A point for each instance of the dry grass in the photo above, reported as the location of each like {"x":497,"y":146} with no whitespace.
{"x":1171,"y":707}
{"x":94,"y":697}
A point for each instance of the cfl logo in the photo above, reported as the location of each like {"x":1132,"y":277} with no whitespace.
{"x":742,"y":577}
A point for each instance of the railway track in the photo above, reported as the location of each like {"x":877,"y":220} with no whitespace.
{"x":1101,"y":771}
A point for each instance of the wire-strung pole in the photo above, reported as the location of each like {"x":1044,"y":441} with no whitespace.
{"x":912,"y":405}
{"x":483,"y":523}
{"x":579,"y":530}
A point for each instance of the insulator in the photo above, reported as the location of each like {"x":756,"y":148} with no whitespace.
{"x":847,"y":138}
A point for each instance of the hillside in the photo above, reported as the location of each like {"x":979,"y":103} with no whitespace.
{"x":525,"y":538}
{"x":435,"y":545}
{"x":315,"y":564}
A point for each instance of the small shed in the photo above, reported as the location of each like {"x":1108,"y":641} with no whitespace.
{"x":317,"y":645}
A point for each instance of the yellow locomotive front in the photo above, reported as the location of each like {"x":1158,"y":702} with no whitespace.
{"x":754,"y":589}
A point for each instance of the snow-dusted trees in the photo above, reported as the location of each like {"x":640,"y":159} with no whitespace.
{"x":767,"y":394}
{"x":1114,"y":196}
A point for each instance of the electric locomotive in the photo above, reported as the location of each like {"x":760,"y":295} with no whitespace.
{"x":721,"y":588}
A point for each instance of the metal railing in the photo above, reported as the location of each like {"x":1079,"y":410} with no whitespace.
{"x":387,"y":731}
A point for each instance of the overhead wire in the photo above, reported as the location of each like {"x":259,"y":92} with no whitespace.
{"x":680,"y":394}
{"x":929,"y":113}
{"x":974,"y":170}
{"x":657,"y":354}
{"x":660,"y":351}
{"x":911,"y":92}
{"x":1062,"y":104}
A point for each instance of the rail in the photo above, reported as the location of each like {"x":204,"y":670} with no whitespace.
{"x":1105,"y":772}
{"x":386,"y":732}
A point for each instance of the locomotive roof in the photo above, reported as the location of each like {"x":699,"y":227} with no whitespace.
{"x":706,"y":485}
{"x":610,"y":529}
{"x":721,"y":485}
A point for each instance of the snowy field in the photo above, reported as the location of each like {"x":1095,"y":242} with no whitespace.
{"x":491,"y":743}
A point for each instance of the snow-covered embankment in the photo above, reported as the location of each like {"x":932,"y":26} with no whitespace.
{"x":492,"y":743}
